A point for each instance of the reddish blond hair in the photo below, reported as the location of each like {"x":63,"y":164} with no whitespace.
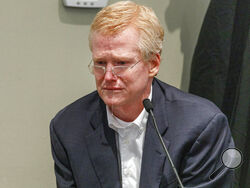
{"x":115,"y":18}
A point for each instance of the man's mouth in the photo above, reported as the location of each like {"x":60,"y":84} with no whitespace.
{"x":111,"y":88}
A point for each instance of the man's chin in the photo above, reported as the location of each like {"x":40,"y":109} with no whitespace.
{"x":113,"y":102}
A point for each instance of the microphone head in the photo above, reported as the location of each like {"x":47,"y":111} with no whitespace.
{"x":147,"y":105}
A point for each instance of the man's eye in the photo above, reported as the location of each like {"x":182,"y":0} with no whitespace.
{"x":121,"y":63}
{"x":101,"y":63}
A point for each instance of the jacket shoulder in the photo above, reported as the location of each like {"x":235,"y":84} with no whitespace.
{"x":181,"y":98}
{"x":77,"y":112}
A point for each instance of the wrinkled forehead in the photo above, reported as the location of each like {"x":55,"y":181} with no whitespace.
{"x":124,"y":43}
{"x":128,"y":33}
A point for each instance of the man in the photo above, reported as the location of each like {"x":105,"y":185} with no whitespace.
{"x":106,"y":139}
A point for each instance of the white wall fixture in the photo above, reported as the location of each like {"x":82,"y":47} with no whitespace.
{"x":85,"y":3}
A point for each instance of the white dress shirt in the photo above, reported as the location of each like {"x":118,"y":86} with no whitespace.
{"x":130,"y":145}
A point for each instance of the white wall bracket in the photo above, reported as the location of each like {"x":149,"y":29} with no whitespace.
{"x":85,"y":3}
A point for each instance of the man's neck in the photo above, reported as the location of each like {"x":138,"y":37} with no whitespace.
{"x":127,"y":114}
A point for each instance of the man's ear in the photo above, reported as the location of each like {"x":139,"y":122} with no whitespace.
{"x":154,"y":65}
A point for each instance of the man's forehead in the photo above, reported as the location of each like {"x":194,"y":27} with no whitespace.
{"x":129,"y":32}
{"x":115,"y":57}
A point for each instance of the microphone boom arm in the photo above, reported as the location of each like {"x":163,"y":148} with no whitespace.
{"x":165,"y":149}
{"x":149,"y":108}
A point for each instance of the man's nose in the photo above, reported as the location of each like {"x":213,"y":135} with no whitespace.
{"x":109,"y":74}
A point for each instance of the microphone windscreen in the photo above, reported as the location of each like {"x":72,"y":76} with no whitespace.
{"x":147,"y":105}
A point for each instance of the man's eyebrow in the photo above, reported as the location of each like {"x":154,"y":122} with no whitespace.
{"x":98,"y":59}
{"x":125,"y":58}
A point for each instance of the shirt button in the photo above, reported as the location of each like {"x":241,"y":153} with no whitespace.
{"x":125,"y":172}
{"x":125,"y":141}
{"x":129,"y":173}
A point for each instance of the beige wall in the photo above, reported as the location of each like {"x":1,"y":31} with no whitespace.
{"x":43,"y":67}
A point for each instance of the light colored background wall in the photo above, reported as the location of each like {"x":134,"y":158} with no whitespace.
{"x":43,"y":67}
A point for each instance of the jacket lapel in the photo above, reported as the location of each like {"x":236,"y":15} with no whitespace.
{"x":154,"y":157}
{"x":102,"y":150}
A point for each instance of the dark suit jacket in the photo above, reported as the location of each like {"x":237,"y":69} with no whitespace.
{"x":194,"y":130}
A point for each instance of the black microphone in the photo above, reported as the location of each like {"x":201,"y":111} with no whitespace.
{"x":147,"y":105}
{"x":149,"y":108}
